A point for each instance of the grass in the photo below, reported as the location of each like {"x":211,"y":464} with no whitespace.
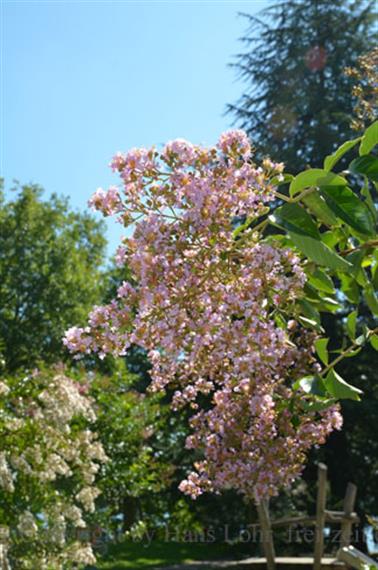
{"x":136,"y":556}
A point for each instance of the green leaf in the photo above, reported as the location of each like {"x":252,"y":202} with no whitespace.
{"x":327,"y":307}
{"x":332,"y":159}
{"x":309,"y":323}
{"x":353,"y":353}
{"x":314,"y":177}
{"x":340,"y":389}
{"x":375,"y":278}
{"x":356,"y":258}
{"x":360,"y":340}
{"x":280,"y":321}
{"x":333,"y":237}
{"x":241,"y":228}
{"x":365,"y":192}
{"x":321,"y":281}
{"x":371,"y":299}
{"x":366,"y":262}
{"x":321,"y":349}
{"x":311,"y":293}
{"x":349,"y":208}
{"x":319,"y":252}
{"x":362,"y":278}
{"x":367,"y":164}
{"x":374,"y":341}
{"x":311,"y":385}
{"x":320,"y":300}
{"x":309,"y":310}
{"x":281,"y":179}
{"x":331,"y":301}
{"x":317,"y":406}
{"x":369,"y":139}
{"x":305,"y":236}
{"x":292,"y":217}
{"x":350,"y":288}
{"x":351,"y":323}
{"x":318,"y":206}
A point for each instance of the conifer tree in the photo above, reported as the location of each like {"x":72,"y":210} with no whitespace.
{"x":297,"y":103}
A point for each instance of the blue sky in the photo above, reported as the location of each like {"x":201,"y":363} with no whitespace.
{"x":84,"y":79}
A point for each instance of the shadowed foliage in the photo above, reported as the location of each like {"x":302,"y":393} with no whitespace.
{"x":297,"y":105}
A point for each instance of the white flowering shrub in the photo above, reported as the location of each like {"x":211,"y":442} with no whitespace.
{"x":49,"y":458}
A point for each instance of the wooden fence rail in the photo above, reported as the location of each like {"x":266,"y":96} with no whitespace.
{"x":346,"y":518}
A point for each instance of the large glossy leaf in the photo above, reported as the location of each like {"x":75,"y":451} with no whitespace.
{"x":333,"y":237}
{"x":350,"y":288}
{"x":349,"y":208}
{"x":319,"y":252}
{"x":374,"y":341}
{"x":332,"y":159}
{"x":365,"y":192}
{"x":321,"y":349}
{"x":329,"y":305}
{"x":375,"y":273}
{"x":318,"y":206}
{"x":371,"y":299}
{"x":310,"y":316}
{"x":367,"y":165}
{"x":314,"y":177}
{"x":351,"y":324}
{"x":318,"y":298}
{"x":292,"y":217}
{"x":338,"y":388}
{"x":311,"y":385}
{"x":310,"y":323}
{"x":309,"y":310}
{"x":321,"y":281}
{"x":305,"y":236}
{"x":369,"y":139}
{"x":356,"y":258}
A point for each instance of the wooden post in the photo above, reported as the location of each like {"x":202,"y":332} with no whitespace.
{"x":266,"y":535}
{"x":320,"y":515}
{"x":348,"y":508}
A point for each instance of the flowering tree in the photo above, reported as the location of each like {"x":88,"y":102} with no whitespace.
{"x":48,"y":462}
{"x":229,"y":312}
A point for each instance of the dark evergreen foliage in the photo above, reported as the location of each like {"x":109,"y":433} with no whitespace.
{"x":297,"y":103}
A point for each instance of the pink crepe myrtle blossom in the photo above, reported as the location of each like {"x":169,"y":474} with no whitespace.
{"x":108,"y":202}
{"x":235,"y":142}
{"x":204,"y":308}
{"x":180,"y":151}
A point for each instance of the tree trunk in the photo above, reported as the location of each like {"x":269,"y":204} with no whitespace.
{"x":129,"y":512}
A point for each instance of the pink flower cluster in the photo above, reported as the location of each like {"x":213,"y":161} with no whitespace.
{"x":208,"y":307}
{"x":107,"y":201}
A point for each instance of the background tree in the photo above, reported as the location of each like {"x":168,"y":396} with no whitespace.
{"x":50,"y":260}
{"x":297,"y":104}
{"x":129,"y":421}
